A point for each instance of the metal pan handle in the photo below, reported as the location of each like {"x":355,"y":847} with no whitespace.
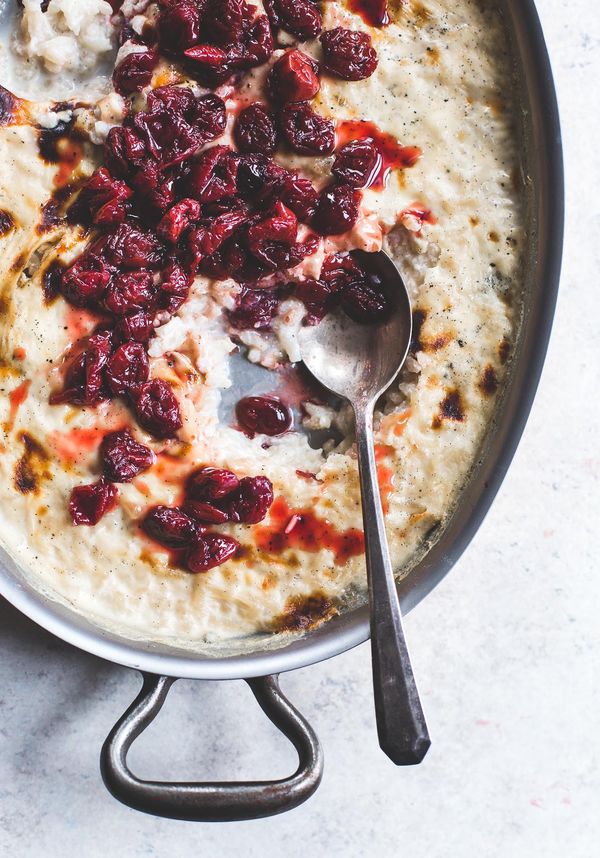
{"x":211,"y":802}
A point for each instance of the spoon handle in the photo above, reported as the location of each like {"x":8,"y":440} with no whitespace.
{"x":401,"y":723}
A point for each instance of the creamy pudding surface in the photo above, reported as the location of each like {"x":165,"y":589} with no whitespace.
{"x":169,"y":226}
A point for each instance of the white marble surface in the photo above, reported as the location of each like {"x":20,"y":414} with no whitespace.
{"x":507,"y":649}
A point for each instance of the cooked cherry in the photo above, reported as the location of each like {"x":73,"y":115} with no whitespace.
{"x":181,"y":99}
{"x":168,"y":136}
{"x":340,"y":269}
{"x":255,"y":130}
{"x":317,"y":297}
{"x":252,"y":500}
{"x":84,"y":378}
{"x":135,"y":71}
{"x":209,"y":117}
{"x":84,"y":283}
{"x":281,"y":226}
{"x":255,"y":309}
{"x":210,"y":550}
{"x":210,"y":484}
{"x":113,"y":212}
{"x":123,"y":458}
{"x":205,"y":241}
{"x":357,"y":163}
{"x":299,"y":195}
{"x":154,"y":189}
{"x":231,"y":260}
{"x":364,"y":300}
{"x":272,"y":240}
{"x":349,"y":54}
{"x":277,"y":256}
{"x":228,"y":20}
{"x":130,"y":248}
{"x":175,"y":288}
{"x":89,"y":503}
{"x":258,"y":177}
{"x":299,"y":17}
{"x":208,"y":55}
{"x":206,"y":513}
{"x":258,"y":45}
{"x":294,"y":77}
{"x":302,"y":249}
{"x":104,"y":200}
{"x":127,"y":369}
{"x":157,"y":409}
{"x":337,"y":211}
{"x":170,"y":526}
{"x":306,"y":131}
{"x":125,"y":150}
{"x":132,"y":290}
{"x":205,"y":113}
{"x":177,"y":220}
{"x":213,"y":175}
{"x":266,"y":415}
{"x":137,"y":326}
{"x":179,"y":25}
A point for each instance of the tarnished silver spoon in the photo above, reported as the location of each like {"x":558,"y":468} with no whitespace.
{"x":359,"y":362}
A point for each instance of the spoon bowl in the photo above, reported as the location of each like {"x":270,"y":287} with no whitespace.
{"x":359,"y":361}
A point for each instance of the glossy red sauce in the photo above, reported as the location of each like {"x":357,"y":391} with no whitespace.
{"x":373,"y":12}
{"x":171,"y":470}
{"x":392,"y":155}
{"x":302,"y":529}
{"x":420,"y":213}
{"x":401,"y":421}
{"x":72,"y":444}
{"x":385,"y":475}
{"x":16,"y":398}
{"x":143,"y":487}
{"x":19,"y":353}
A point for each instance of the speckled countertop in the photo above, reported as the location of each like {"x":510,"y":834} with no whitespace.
{"x":507,"y":649}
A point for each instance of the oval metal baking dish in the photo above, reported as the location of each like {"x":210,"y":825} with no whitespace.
{"x":161,"y":665}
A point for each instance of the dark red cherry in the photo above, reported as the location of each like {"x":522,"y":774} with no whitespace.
{"x":299,"y":17}
{"x":157,"y":409}
{"x":210,"y":484}
{"x":294,"y":77}
{"x":306,"y":131}
{"x":348,"y":54}
{"x":206,"y":513}
{"x":170,"y":526}
{"x":135,"y":71}
{"x":255,"y":130}
{"x":123,"y":458}
{"x":127,"y":369}
{"x":266,"y":415}
{"x":210,"y":550}
{"x":88,"y":504}
{"x":337,"y":211}
{"x":357,"y":163}
{"x":255,"y":309}
{"x":364,"y":300}
{"x":250,"y":503}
